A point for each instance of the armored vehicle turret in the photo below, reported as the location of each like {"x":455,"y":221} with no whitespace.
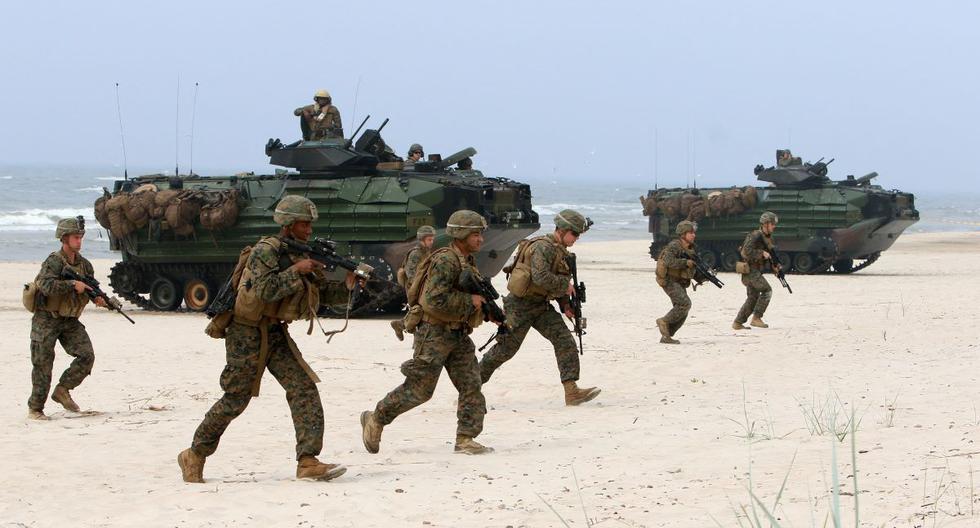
{"x":824,"y":225}
{"x":179,"y":237}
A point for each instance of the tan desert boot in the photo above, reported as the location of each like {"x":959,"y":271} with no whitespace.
{"x":371,"y":432}
{"x":739,"y":326}
{"x":669,"y":340}
{"x":399,"y":329}
{"x":37,"y":415}
{"x":664,"y":330}
{"x":62,"y":396}
{"x":574,"y":395}
{"x":310,"y":468}
{"x":757,"y":322}
{"x":467,"y":446}
{"x":191,"y":466}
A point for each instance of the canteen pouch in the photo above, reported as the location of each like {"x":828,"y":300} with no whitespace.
{"x":412,"y":318}
{"x":30,"y":296}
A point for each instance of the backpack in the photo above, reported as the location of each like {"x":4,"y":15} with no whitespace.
{"x":220,"y":321}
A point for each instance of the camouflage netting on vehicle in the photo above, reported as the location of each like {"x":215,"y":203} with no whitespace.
{"x":694,"y":206}
{"x":220,"y":211}
{"x":175,"y":209}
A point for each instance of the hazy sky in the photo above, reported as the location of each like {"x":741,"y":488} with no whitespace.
{"x":565,"y":91}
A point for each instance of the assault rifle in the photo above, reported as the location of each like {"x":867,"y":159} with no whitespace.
{"x":703,"y":272}
{"x":577,"y":300}
{"x":96,"y":292}
{"x":469,"y":283}
{"x":777,"y":270}
{"x":325,"y":252}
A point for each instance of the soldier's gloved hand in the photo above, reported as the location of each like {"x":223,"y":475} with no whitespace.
{"x":100,"y":302}
{"x":690,"y":263}
{"x":80,"y":287}
{"x":306,"y":266}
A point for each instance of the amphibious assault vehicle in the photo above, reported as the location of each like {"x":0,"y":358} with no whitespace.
{"x":181,"y":236}
{"x":824,"y":225}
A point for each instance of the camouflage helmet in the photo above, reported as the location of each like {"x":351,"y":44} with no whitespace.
{"x":294,"y":208}
{"x":70,"y":226}
{"x":464,"y":222}
{"x":321,"y":94}
{"x":768,"y":218}
{"x":415,"y":148}
{"x":686,"y":226}
{"x":425,"y":231}
{"x":572,"y":220}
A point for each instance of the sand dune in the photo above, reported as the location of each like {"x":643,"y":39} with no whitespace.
{"x":668,"y":443}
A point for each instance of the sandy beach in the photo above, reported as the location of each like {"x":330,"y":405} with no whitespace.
{"x":671,"y":441}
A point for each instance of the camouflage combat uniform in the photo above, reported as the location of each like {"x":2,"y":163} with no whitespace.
{"x":442,"y":341}
{"x":757,"y":289}
{"x":678,"y":278}
{"x":550,"y":276}
{"x":247,"y":359}
{"x":413,"y":259}
{"x":48,"y":327}
{"x":325,"y":121}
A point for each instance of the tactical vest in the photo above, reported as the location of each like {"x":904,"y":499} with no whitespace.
{"x":70,"y":304}
{"x":416,"y":294}
{"x":520,"y":281}
{"x":682,"y":275}
{"x":767,"y":242}
{"x":250,"y":309}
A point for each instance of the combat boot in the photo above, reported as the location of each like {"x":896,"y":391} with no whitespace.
{"x":467,"y":446}
{"x":664,"y":328}
{"x":371,"y":432}
{"x":739,"y":326}
{"x":62,"y":396}
{"x":757,"y":322}
{"x":191,"y":466}
{"x":34,"y":414}
{"x":574,"y":395}
{"x":310,"y":468}
{"x":669,"y":340}
{"x":399,"y":329}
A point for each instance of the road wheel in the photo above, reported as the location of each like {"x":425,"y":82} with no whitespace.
{"x":844,"y":265}
{"x":728,"y":260}
{"x":197,"y":295}
{"x":709,"y":258}
{"x":164,"y":294}
{"x":804,"y":262}
{"x":785,"y":261}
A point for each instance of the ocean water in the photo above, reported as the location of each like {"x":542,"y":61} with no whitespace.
{"x":34,"y":198}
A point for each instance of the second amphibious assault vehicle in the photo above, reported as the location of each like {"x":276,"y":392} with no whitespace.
{"x":370,"y":203}
{"x":824,"y":226}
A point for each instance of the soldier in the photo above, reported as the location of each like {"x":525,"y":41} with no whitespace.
{"x":426,"y":236}
{"x":539,"y":275}
{"x":675,"y":269}
{"x":445,"y":316}
{"x":465,"y":164}
{"x":321,"y":119}
{"x":415,"y":153}
{"x":756,"y":251}
{"x":56,"y":320}
{"x":784,"y":158}
{"x":275,"y":288}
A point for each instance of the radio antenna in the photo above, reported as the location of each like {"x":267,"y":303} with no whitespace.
{"x":177,"y":132}
{"x":357,"y":91}
{"x":193,"y":115}
{"x":656,"y":158}
{"x":122,"y":136}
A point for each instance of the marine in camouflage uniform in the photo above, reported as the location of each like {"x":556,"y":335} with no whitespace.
{"x":426,"y":236}
{"x":785,"y":158}
{"x":675,"y":269}
{"x":321,"y":119}
{"x":55,"y":320}
{"x":448,"y":315}
{"x":756,"y":252}
{"x":275,"y":289}
{"x":415,"y":153}
{"x":541,"y":274}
